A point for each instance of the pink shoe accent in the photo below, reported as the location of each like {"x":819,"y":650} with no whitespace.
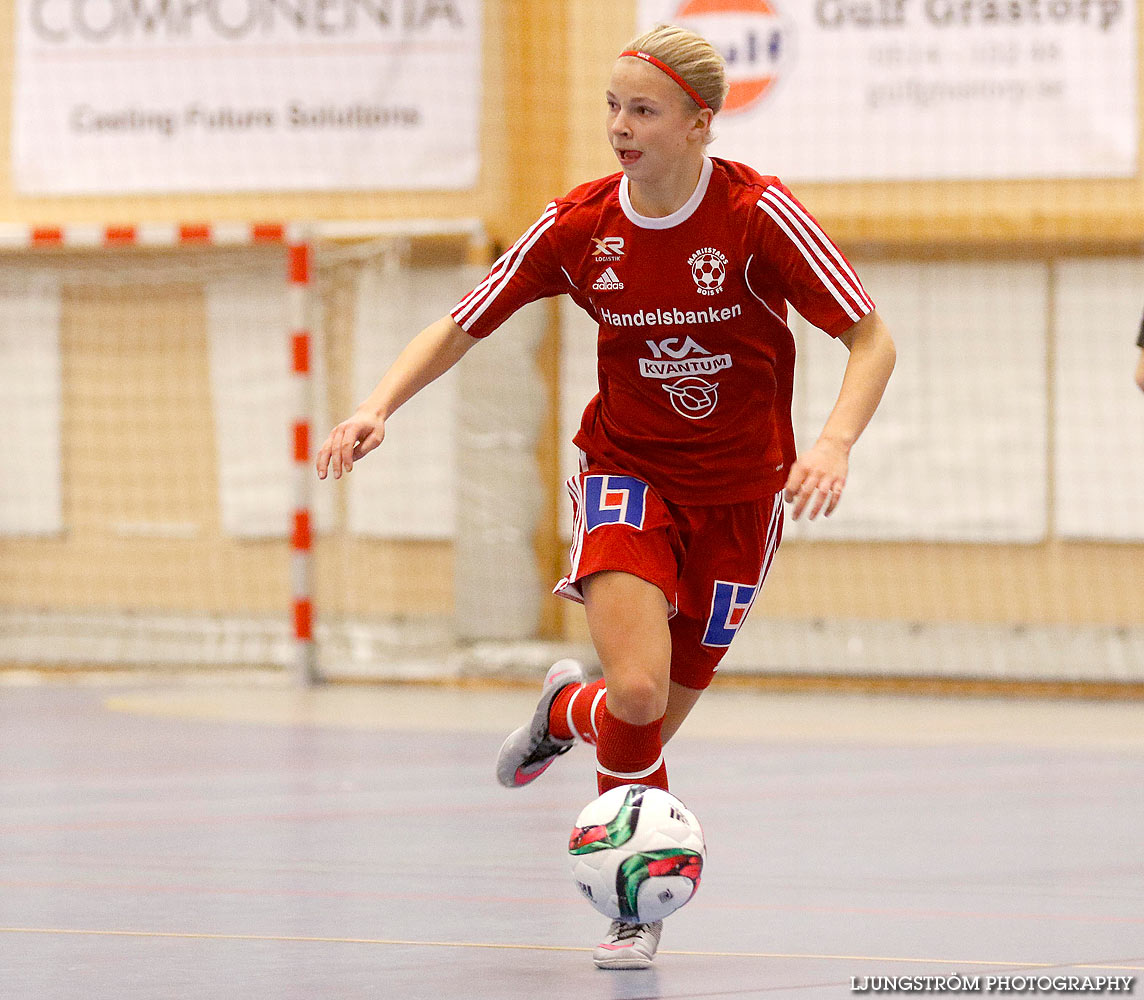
{"x":523,"y":777}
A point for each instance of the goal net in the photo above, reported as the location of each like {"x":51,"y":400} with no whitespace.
{"x":149,"y":513}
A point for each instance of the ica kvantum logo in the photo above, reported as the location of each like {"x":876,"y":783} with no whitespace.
{"x":755,"y":37}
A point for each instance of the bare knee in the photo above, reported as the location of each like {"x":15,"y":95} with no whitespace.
{"x":627,"y":617}
{"x":638,"y":697}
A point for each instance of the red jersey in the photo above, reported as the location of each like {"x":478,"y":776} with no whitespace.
{"x":695,"y":358}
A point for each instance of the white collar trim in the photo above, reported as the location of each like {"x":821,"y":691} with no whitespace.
{"x":681,"y":214}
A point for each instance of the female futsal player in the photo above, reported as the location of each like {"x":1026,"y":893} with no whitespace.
{"x":687,"y":263}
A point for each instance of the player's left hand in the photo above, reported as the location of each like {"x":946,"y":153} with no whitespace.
{"x":816,"y":481}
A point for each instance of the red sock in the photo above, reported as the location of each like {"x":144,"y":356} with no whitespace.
{"x":627,"y":754}
{"x":576,"y":711}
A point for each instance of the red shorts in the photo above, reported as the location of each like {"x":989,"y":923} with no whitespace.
{"x":710,"y":562}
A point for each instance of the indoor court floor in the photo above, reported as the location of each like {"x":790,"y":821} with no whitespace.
{"x":237,"y":838}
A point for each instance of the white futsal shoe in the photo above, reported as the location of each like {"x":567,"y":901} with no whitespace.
{"x":628,"y":946}
{"x":528,"y":751}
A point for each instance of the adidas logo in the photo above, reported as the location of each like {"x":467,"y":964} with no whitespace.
{"x":608,"y":282}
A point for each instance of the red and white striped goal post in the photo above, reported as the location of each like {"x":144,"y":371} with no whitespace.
{"x":295,"y":238}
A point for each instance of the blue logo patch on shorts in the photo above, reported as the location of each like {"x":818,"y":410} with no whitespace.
{"x":729,"y":606}
{"x":614,"y":500}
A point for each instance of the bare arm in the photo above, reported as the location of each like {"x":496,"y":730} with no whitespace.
{"x":426,"y":357}
{"x":819,"y":475}
{"x":1140,"y":370}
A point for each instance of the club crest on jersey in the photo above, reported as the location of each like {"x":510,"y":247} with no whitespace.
{"x":608,"y":249}
{"x":730,"y":603}
{"x":607,"y":282}
{"x":709,"y":269}
{"x":693,"y":397}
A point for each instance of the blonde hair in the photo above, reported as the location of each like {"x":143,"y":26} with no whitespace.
{"x":691,"y":56}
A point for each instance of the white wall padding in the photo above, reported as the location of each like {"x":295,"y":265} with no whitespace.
{"x":957,"y":450}
{"x":252,"y":396}
{"x":501,"y":402}
{"x":407,"y":487}
{"x":1098,"y":417}
{"x":30,"y":500}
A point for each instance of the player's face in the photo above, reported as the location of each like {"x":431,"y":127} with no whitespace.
{"x":652,"y":124}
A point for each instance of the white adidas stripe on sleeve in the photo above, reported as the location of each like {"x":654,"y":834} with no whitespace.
{"x":473,"y":305}
{"x":504,"y":261}
{"x":825,"y":242}
{"x":844,"y":287}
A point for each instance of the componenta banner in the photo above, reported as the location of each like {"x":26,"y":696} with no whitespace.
{"x":118,"y":96}
{"x":836,"y":90}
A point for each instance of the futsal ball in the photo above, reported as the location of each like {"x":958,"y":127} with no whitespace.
{"x":636,"y":853}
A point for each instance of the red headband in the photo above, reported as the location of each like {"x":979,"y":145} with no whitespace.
{"x":660,"y":65}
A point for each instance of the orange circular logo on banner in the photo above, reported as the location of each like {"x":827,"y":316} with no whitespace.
{"x":755,"y":38}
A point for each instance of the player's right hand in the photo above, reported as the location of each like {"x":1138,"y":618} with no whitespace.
{"x":350,"y":440}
